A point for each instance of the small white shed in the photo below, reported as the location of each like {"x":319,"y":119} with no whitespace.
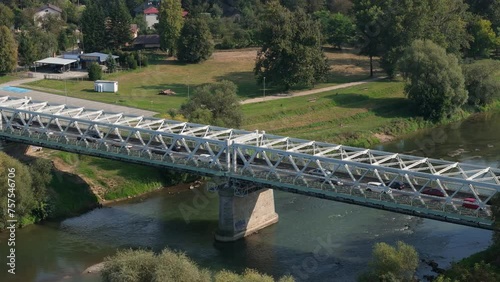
{"x":106,"y":86}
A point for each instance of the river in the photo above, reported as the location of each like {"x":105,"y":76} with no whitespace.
{"x":315,"y":240}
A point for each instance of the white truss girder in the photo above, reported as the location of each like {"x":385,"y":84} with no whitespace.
{"x":256,"y":154}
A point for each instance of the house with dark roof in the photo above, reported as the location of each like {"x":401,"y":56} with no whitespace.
{"x":45,"y":11}
{"x":150,"y":41}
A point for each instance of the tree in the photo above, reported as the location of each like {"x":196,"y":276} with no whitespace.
{"x":195,"y":44}
{"x":392,"y":263}
{"x":118,"y":24}
{"x":8,"y":50}
{"x":336,"y":28}
{"x":368,"y":14}
{"x":27,"y":49}
{"x":93,"y":28}
{"x":481,"y":81}
{"x":23,"y":192}
{"x":41,"y":175}
{"x":291,"y":51}
{"x":435,"y":83}
{"x":95,"y":72}
{"x":484,"y":38}
{"x":339,"y":6}
{"x":170,"y":24}
{"x":6,"y":16}
{"x":215,"y":103}
{"x":111,"y":63}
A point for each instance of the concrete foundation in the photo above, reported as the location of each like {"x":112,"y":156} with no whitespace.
{"x":243,"y":216}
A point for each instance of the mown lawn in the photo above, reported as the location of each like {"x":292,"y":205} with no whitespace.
{"x":6,"y":78}
{"x":139,"y":88}
{"x":334,"y":116}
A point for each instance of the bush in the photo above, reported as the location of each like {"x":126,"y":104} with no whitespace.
{"x":481,"y":82}
{"x":139,"y":265}
{"x":131,"y":62}
{"x":95,"y":72}
{"x":434,"y":80}
{"x":129,"y":266}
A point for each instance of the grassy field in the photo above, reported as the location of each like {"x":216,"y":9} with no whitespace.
{"x":139,"y":88}
{"x":336,"y":116}
{"x":6,"y":78}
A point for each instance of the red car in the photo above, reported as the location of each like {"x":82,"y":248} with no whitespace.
{"x":470,"y":203}
{"x":433,"y":192}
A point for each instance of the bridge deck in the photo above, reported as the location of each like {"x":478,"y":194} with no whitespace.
{"x":449,"y":191}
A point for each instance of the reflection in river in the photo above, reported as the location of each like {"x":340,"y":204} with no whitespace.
{"x":315,"y":240}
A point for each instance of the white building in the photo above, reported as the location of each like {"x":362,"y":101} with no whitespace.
{"x":106,"y":86}
{"x":151,"y":15}
{"x":46,"y":10}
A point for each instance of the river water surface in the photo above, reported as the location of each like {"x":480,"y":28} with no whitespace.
{"x":315,"y":240}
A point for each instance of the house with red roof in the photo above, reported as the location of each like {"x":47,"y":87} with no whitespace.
{"x":151,"y":15}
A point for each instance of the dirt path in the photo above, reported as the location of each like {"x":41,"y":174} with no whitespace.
{"x":308,"y":92}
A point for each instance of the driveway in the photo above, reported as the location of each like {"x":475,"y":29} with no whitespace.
{"x":14,"y":89}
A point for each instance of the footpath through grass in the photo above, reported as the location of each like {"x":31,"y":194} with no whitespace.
{"x":348,"y":116}
{"x":139,"y":88}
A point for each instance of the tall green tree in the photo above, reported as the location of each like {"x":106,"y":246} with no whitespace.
{"x":118,"y":25}
{"x":481,"y":82}
{"x":27,"y":49}
{"x":195,"y":43}
{"x":6,"y":16}
{"x":291,"y":51}
{"x":170,"y":25}
{"x":8,"y":50}
{"x":392,"y":263}
{"x":434,"y":80}
{"x":337,"y":29}
{"x":93,"y":28}
{"x":369,"y":15}
{"x":484,"y":38}
{"x":216,"y":104}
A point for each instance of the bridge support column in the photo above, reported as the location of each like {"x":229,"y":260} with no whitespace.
{"x":242,"y":216}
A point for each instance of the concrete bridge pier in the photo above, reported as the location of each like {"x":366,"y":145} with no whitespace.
{"x":242,"y":216}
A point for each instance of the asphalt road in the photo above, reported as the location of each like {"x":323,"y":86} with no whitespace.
{"x":70,"y":101}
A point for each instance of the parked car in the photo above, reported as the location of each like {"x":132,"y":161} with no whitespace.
{"x":378,"y":187}
{"x":396,"y":185}
{"x":433,"y":192}
{"x":470,"y":203}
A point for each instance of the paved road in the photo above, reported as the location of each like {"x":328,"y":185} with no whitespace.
{"x":308,"y":92}
{"x":76,"y":102}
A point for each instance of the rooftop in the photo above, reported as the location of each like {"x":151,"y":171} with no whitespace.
{"x":50,"y":6}
{"x":56,"y":61}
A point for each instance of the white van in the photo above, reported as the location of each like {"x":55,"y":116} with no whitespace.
{"x":205,"y":158}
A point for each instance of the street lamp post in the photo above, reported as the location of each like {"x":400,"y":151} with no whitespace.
{"x":264,"y":87}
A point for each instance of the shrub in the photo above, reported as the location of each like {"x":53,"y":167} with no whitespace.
{"x":95,"y":72}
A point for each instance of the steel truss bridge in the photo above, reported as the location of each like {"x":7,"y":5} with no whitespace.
{"x":250,"y":160}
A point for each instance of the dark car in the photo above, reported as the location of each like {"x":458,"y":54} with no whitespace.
{"x":433,"y":192}
{"x":239,"y":160}
{"x":90,"y":137}
{"x":396,"y":185}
